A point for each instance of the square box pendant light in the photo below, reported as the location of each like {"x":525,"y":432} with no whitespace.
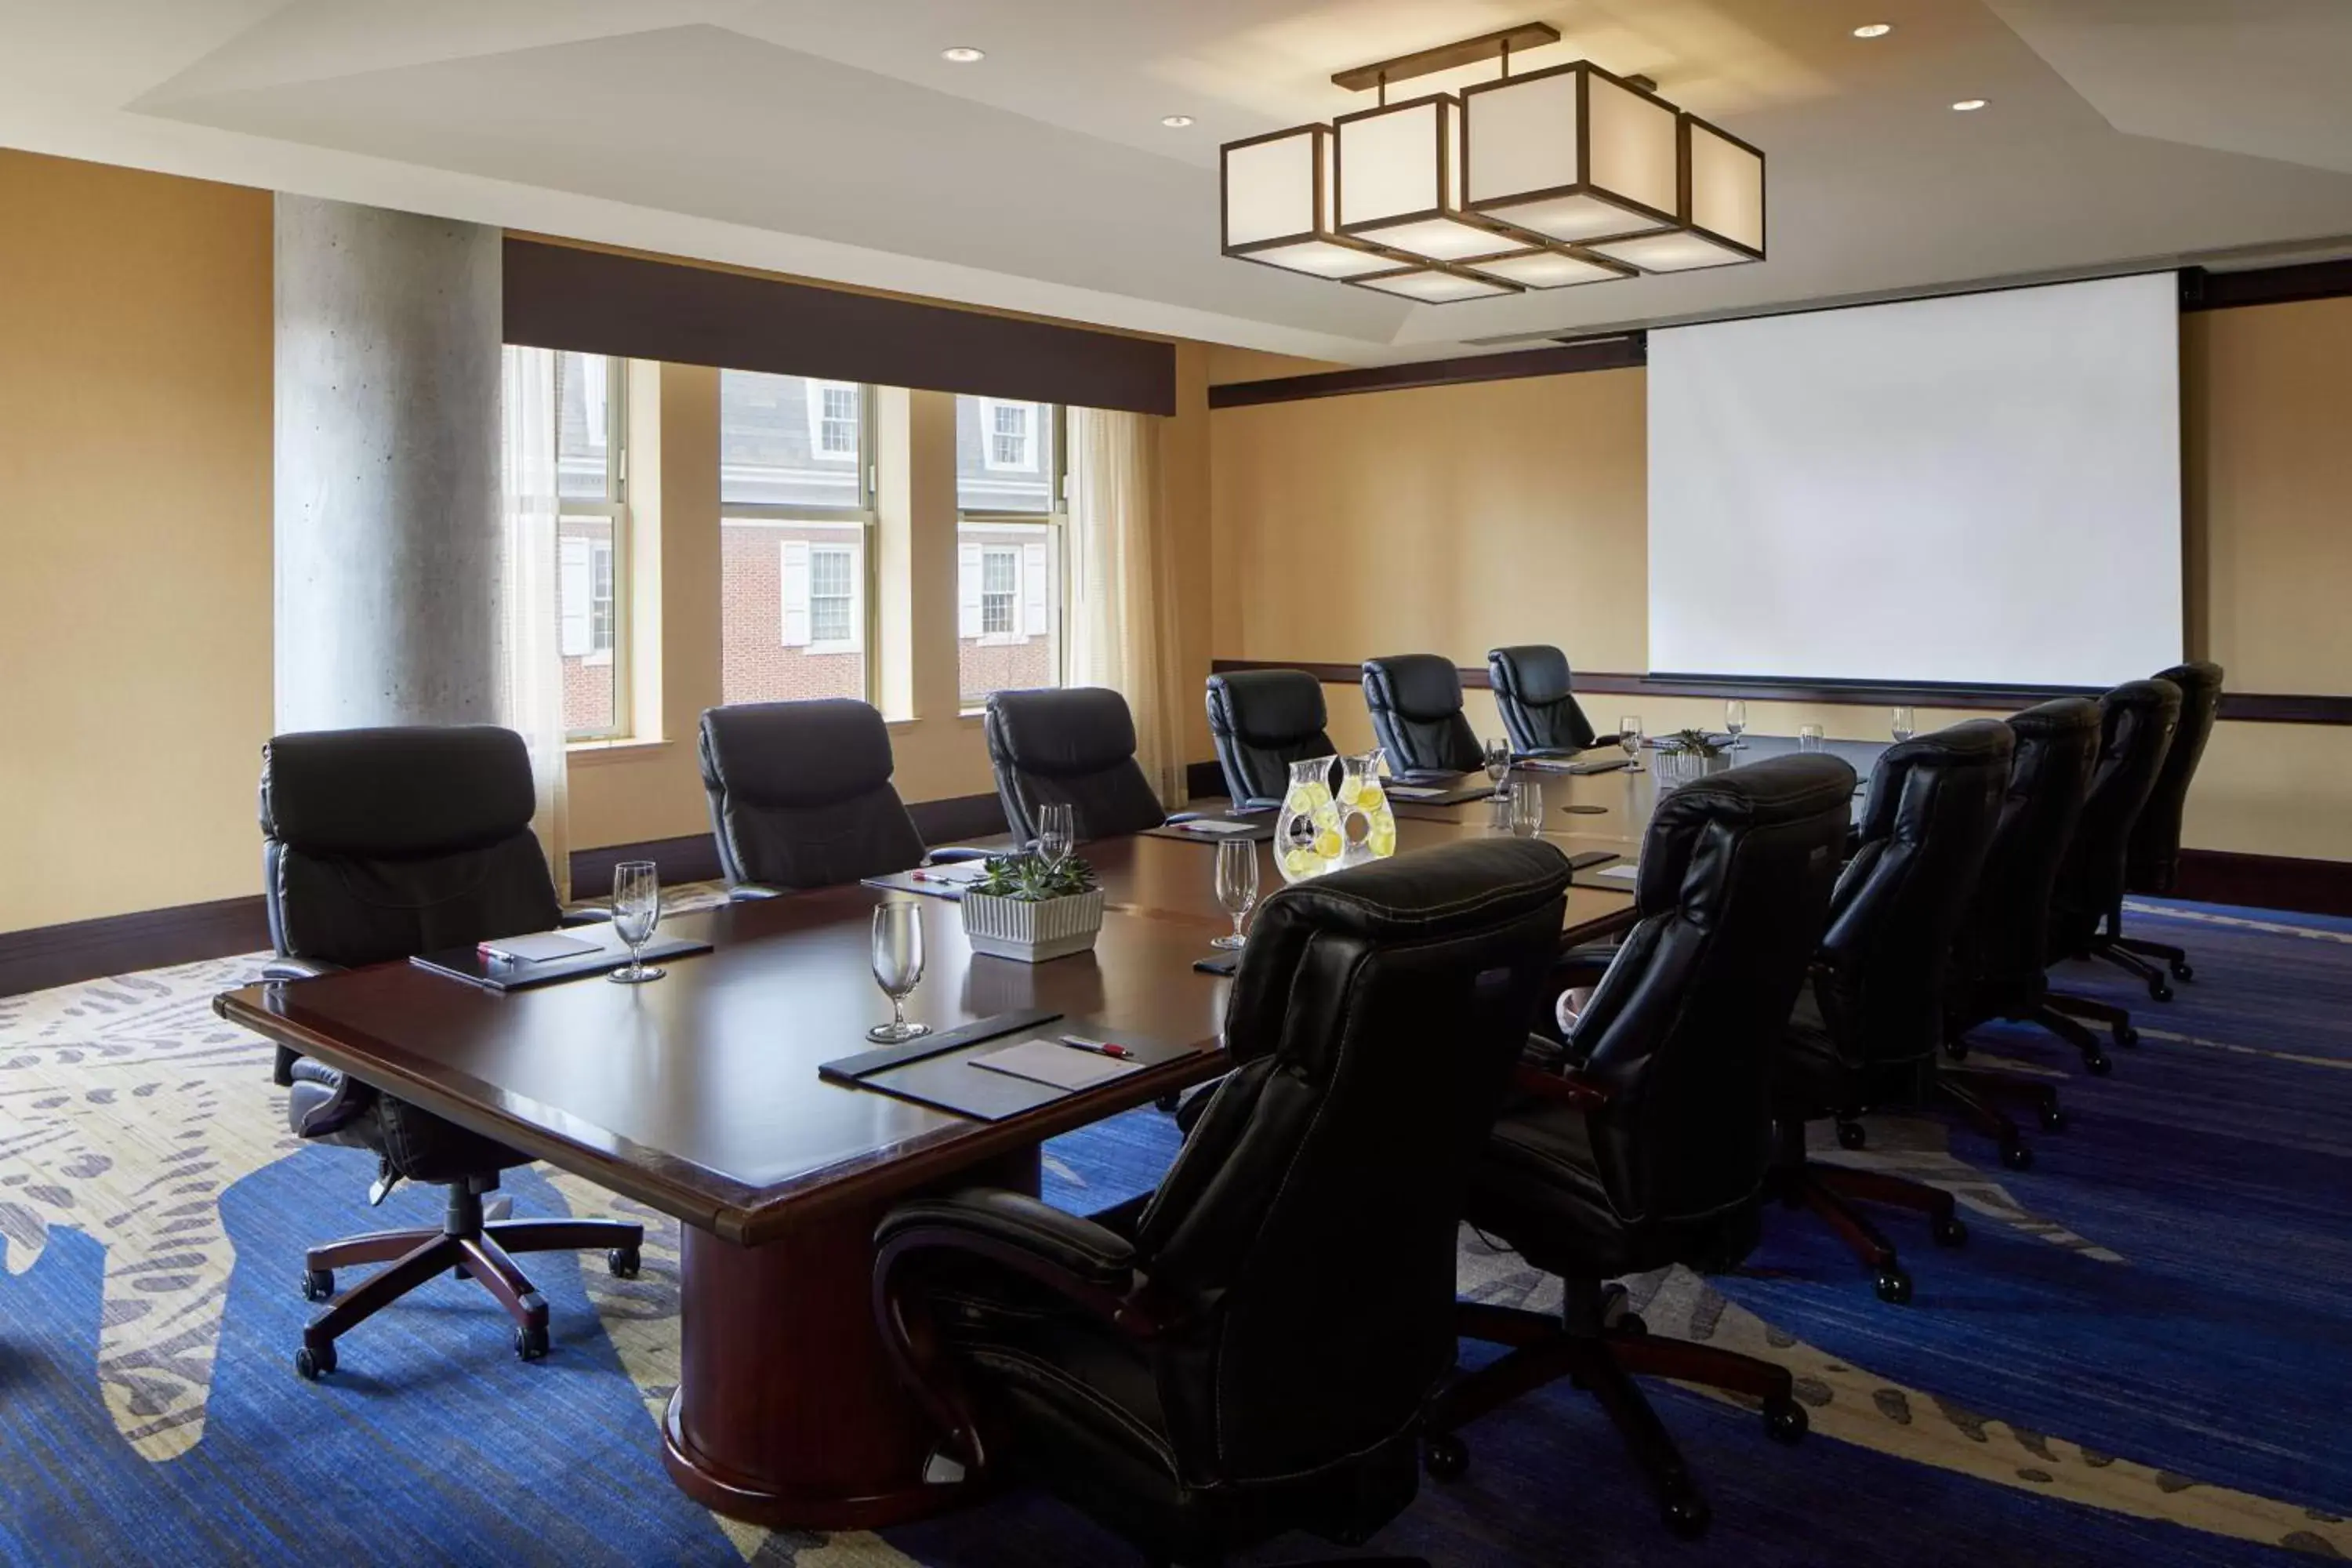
{"x":1721,"y":212}
{"x":1541,"y":266}
{"x":1438,"y":285}
{"x":1400,"y":180}
{"x":1571,"y":154}
{"x":1278,"y":197}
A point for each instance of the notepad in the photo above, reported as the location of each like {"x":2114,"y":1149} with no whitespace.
{"x":1626,"y":873}
{"x":538,"y":948}
{"x":1414,"y":792}
{"x":1051,"y":1062}
{"x":1208,"y":825}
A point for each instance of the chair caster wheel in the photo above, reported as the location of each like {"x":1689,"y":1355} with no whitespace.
{"x":1167,"y":1103}
{"x":1851,"y":1135}
{"x":1686,"y":1517}
{"x":2053,"y":1119}
{"x":2183,"y":972}
{"x":622,"y":1262}
{"x":1957,"y":1049}
{"x":1950,"y":1232}
{"x":314,"y":1365}
{"x":1445,"y":1457}
{"x":2017,"y":1156}
{"x":1785,"y":1420}
{"x":319,"y":1285}
{"x":2100,"y":1066}
{"x":1894,"y":1287}
{"x":2126,"y":1037}
{"x":530,"y":1344}
{"x":2160,"y":990}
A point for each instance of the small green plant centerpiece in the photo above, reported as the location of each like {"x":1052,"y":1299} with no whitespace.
{"x":1031,"y":907}
{"x":1688,"y":754}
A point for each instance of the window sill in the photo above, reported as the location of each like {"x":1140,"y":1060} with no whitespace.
{"x":620,"y":749}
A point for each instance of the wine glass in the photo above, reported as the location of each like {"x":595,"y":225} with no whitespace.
{"x":1057,"y":830}
{"x":1628,"y":736}
{"x":1734,"y":719}
{"x":1236,"y":886}
{"x":1526,"y":807}
{"x":1809,"y":737}
{"x":637,"y":909}
{"x":898,"y":967}
{"x":1907,"y":725}
{"x":1499,"y":762}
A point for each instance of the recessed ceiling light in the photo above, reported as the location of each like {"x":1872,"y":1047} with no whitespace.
{"x":963,"y":54}
{"x":1175,"y":121}
{"x":1874,"y":30}
{"x":1969,"y":105}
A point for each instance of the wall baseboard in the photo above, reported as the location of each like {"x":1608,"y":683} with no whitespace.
{"x":45,"y":956}
{"x":2266,"y":881}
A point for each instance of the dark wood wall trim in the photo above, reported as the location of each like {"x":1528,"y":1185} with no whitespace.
{"x":2241,"y":707}
{"x":122,"y":945}
{"x":2265,"y":881}
{"x":2203,"y":291}
{"x":594,"y":301}
{"x":1622,"y":353}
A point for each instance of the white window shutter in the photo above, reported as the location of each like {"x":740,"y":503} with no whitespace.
{"x":576,"y":588}
{"x":857,"y":596}
{"x":796,"y":592}
{"x":1035,"y":604}
{"x":968,"y":590}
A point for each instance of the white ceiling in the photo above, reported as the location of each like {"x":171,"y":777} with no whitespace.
{"x":830,"y":140}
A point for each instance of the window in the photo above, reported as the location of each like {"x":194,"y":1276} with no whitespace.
{"x":592,"y":543}
{"x":796,"y":517}
{"x":1008,"y":547}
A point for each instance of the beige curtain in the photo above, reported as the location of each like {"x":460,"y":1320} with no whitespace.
{"x":530,"y":618}
{"x":1123,"y":585}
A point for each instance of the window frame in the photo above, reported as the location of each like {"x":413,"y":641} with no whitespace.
{"x":864,"y":580}
{"x":990,"y":407}
{"x":851,"y":642}
{"x":1053,"y":525}
{"x":614,"y":510}
{"x":815,"y":405}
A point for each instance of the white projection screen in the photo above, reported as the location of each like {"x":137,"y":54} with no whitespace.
{"x":1981,"y":490}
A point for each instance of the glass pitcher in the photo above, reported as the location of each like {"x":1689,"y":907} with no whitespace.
{"x":1366,"y":824}
{"x":1308,"y":840}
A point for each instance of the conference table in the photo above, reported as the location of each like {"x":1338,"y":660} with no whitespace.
{"x":699,"y":1096}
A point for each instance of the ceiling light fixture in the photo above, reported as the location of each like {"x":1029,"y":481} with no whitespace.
{"x":1562,"y":176}
{"x":1874,"y":30}
{"x":1175,"y":121}
{"x":1969,"y":105}
{"x":963,"y":55}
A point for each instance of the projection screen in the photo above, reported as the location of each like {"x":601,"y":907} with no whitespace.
{"x":1983,"y":489}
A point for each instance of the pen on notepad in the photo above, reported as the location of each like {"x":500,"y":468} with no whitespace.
{"x":1099,"y":1047}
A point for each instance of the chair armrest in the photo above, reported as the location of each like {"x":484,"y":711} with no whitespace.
{"x":751,"y":892}
{"x":1089,"y":1265}
{"x":285,"y":967}
{"x":950,"y":854}
{"x":586,"y":918}
{"x":1558,"y":1088}
{"x":1584,"y":963}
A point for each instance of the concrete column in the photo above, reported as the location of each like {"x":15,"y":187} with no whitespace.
{"x":387,"y":467}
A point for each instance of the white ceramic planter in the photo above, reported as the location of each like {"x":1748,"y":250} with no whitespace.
{"x":1012,"y":928}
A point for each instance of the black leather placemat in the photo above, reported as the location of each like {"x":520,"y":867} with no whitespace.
{"x":1258,"y":830}
{"x":882,"y":1058}
{"x":1463,"y":796}
{"x":946,"y":881}
{"x":953,"y":1083}
{"x":467,"y":963}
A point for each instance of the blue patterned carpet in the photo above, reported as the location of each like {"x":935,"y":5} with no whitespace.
{"x":2143,"y":1354}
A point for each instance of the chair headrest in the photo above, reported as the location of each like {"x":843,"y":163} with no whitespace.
{"x":2155,"y":696}
{"x":386,"y":793}
{"x":1534,"y":673}
{"x":1062,"y":734}
{"x":2060,"y":719}
{"x":2198,"y":680}
{"x":1414,"y":684}
{"x":795,"y":753}
{"x":1977,"y":743}
{"x":1266,"y":707}
{"x":1770,"y":794}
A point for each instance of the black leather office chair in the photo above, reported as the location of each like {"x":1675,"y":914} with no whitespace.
{"x":1416,"y":703}
{"x":1868,"y":1029}
{"x":1262,"y":720}
{"x":1538,"y":705}
{"x":799,"y":797}
{"x":376,"y":845}
{"x":1076,"y":746}
{"x":2153,"y":863}
{"x":1250,"y":1353}
{"x":1999,"y":955}
{"x":2136,"y":721}
{"x":1650,"y":1141}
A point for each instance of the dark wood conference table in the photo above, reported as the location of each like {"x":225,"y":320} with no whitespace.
{"x":698,"y":1095}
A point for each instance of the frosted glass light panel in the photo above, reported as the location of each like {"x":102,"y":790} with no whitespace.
{"x":1537,"y":267}
{"x":1400,"y":180}
{"x":1279,"y":200}
{"x":1723,"y":221}
{"x":1434,"y":285}
{"x":1573,"y":155}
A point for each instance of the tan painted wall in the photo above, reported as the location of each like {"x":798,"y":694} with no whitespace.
{"x":1452,"y":519}
{"x":134,"y":538}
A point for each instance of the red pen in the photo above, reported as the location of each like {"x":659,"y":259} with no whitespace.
{"x":1099,"y":1047}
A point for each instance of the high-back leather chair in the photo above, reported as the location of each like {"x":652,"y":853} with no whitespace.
{"x":800,"y":795}
{"x":1176,"y":1375}
{"x":1262,"y":720}
{"x":1652,"y":1142}
{"x":1075,"y":746}
{"x":1869,"y":1026}
{"x":1416,"y":703}
{"x":378,"y":844}
{"x":1533,"y":693}
{"x":2153,"y":863}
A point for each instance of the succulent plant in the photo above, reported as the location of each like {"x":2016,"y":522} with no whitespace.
{"x":1031,"y":878}
{"x":1693,"y":743}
